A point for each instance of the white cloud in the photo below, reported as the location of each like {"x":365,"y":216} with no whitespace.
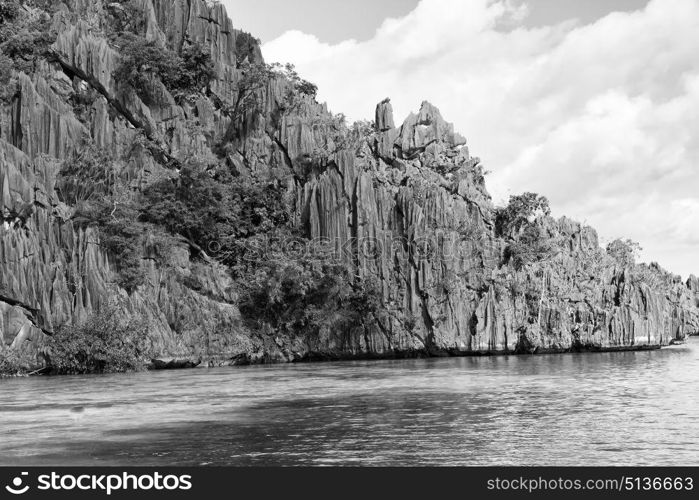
{"x":601,"y":118}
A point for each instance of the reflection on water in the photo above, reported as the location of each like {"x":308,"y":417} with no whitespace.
{"x":624,"y":408}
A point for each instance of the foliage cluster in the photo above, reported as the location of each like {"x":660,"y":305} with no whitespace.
{"x":245,"y":223}
{"x":529,"y":246}
{"x":8,"y":84}
{"x":527,"y":240}
{"x":214,"y":210}
{"x":125,"y":16}
{"x":90,"y":182}
{"x":306,"y":294}
{"x":256,"y":77}
{"x":519,"y":212}
{"x":9,"y":10}
{"x":16,"y":363}
{"x":89,"y":174}
{"x":145,"y":62}
{"x":82,"y":99}
{"x":624,"y":252}
{"x":25,"y":34}
{"x":245,"y":47}
{"x":106,"y":341}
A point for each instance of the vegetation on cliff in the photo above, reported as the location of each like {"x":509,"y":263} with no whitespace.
{"x":25,"y":33}
{"x":106,"y":341}
{"x":15,"y":363}
{"x":184,"y":75}
{"x":517,"y":223}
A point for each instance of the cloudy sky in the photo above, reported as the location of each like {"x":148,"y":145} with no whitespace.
{"x":594,"y":104}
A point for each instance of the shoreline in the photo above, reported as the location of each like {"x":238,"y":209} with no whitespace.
{"x":174,"y":363}
{"x":455,"y":353}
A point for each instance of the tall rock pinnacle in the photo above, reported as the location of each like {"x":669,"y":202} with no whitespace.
{"x":384,"y":115}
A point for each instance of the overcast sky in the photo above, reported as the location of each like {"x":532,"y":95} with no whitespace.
{"x":594,"y":104}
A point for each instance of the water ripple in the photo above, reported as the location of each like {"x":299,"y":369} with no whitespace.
{"x":625,"y":408}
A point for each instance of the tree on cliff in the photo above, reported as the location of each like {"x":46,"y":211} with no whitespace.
{"x":145,"y":61}
{"x":624,"y":251}
{"x":256,"y":77}
{"x":126,"y":16}
{"x":245,"y":47}
{"x":304,"y":292}
{"x":26,"y":32}
{"x":106,"y":341}
{"x":214,"y":210}
{"x":89,"y":173}
{"x":528,"y":241}
{"x":197,"y":70}
{"x":519,"y":212}
{"x":8,"y":88}
{"x":532,"y":244}
{"x":90,"y":181}
{"x":9,"y":10}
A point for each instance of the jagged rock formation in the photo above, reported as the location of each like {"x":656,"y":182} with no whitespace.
{"x":417,"y":186}
{"x":51,"y":272}
{"x":693,"y":285}
{"x":407,"y":206}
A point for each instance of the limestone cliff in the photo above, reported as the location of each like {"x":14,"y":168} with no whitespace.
{"x":404,"y":205}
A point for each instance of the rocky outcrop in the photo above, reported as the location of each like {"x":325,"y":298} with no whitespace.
{"x":418,"y":199}
{"x":384,"y":116}
{"x":173,"y":364}
{"x":404,"y":205}
{"x":53,"y":273}
{"x":693,"y":286}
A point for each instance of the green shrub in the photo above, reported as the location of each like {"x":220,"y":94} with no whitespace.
{"x":194,"y":205}
{"x":297,"y":87}
{"x":519,"y":212}
{"x":142,"y":62}
{"x":14,"y":363}
{"x":529,"y":246}
{"x":246,"y":47}
{"x":88,"y":174}
{"x":125,"y":16}
{"x":123,"y":237}
{"x":196,"y":72}
{"x":82,"y":101}
{"x":145,"y":62}
{"x":25,"y":36}
{"x":528,"y":241}
{"x":255,"y":78}
{"x":214,"y":210}
{"x":8,"y":84}
{"x":107,"y":341}
{"x":49,"y":7}
{"x":90,"y":182}
{"x":9,"y":10}
{"x":625,"y":252}
{"x":6,"y":67}
{"x":303,"y":294}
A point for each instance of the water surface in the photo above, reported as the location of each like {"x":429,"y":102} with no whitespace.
{"x":623,"y":408}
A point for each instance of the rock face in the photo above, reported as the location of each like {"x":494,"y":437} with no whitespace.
{"x":51,"y":272}
{"x":407,"y":207}
{"x":414,"y":190}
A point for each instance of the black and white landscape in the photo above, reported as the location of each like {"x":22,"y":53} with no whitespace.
{"x":179,"y":212}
